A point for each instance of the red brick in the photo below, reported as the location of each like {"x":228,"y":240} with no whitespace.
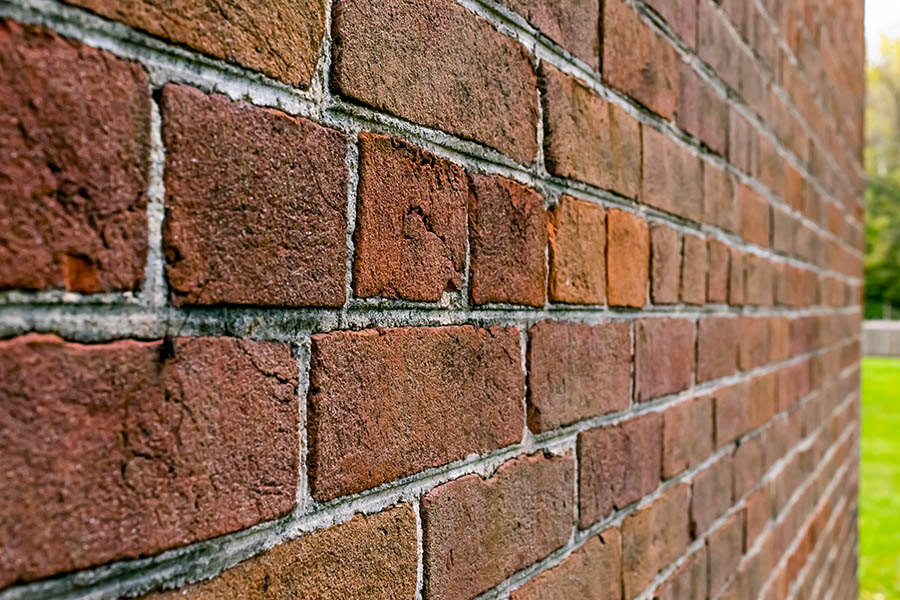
{"x":779,"y":338}
{"x":664,"y":357}
{"x":423,"y":396}
{"x":736,"y":294}
{"x":618,"y":465}
{"x":756,"y":515}
{"x":759,"y":280}
{"x":411,"y":221}
{"x":717,"y":282}
{"x":672,"y":177}
{"x":710,"y":494}
{"x":440,"y":66}
{"x":577,"y":237}
{"x":573,"y":25}
{"x":508,"y":240}
{"x":715,"y":43}
{"x":726,"y":546}
{"x":681,"y":17}
{"x":720,"y":206}
{"x":637,"y":61}
{"x":688,"y":582}
{"x":592,"y":571}
{"x":576,"y":371}
{"x":518,"y":516}
{"x":762,"y":398}
{"x":118,"y":450}
{"x":241,"y":182}
{"x":732,"y":414}
{"x":701,"y":111}
{"x":782,"y":232}
{"x":665,"y":264}
{"x":717,"y":347}
{"x":694,"y":269}
{"x":754,"y":216}
{"x":749,"y":465}
{"x":279,"y":38}
{"x":687,"y":435}
{"x":754,"y":347}
{"x":369,"y":556}
{"x":770,"y":166}
{"x":627,"y":259}
{"x":74,"y":163}
{"x":742,"y":141}
{"x":654,"y":537}
{"x":587,"y":138}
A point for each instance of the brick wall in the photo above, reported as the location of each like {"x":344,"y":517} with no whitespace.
{"x":430,"y":299}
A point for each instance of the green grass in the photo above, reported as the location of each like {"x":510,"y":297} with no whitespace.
{"x":879,"y":518}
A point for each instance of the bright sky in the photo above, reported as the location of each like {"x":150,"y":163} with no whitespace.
{"x":882,"y":17}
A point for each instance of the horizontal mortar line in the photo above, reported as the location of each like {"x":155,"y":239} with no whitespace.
{"x":178,"y":566}
{"x":109,"y":35}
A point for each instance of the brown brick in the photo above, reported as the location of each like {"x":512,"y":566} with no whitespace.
{"x":717,"y":347}
{"x":577,"y":238}
{"x":664,"y":357}
{"x":518,"y":516}
{"x":754,"y":336}
{"x":637,"y":61}
{"x":754,"y":216}
{"x":710,"y":494}
{"x":370,"y":556}
{"x":694,"y":269}
{"x":508,"y":238}
{"x":726,"y":546}
{"x":117,"y":450}
{"x":665,"y":264}
{"x":654,"y":537}
{"x":574,"y":25}
{"x":732,"y":413}
{"x":422,"y":396}
{"x":587,"y":138}
{"x":411,"y":221}
{"x":701,"y":111}
{"x":593,"y":571}
{"x":687,"y":435}
{"x":672,"y":176}
{"x":437,"y":64}
{"x":576,"y":371}
{"x":241,"y":182}
{"x":681,"y":17}
{"x":279,"y":38}
{"x":688,"y":582}
{"x":736,"y":278}
{"x":720,"y":206}
{"x":627,"y":258}
{"x":617,"y":465}
{"x":719,"y":262}
{"x":74,"y":163}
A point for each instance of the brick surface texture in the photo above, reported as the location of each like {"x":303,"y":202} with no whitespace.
{"x":436,"y":299}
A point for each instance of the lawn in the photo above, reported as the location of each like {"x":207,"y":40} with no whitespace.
{"x":879,"y":519}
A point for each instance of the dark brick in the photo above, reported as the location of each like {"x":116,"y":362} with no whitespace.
{"x":577,"y":237}
{"x":411,"y":221}
{"x":672,"y":177}
{"x":241,"y":182}
{"x":74,"y":163}
{"x":574,"y":25}
{"x":717,"y":347}
{"x":665,"y":264}
{"x":687,"y":435}
{"x":664,"y":357}
{"x":627,"y":258}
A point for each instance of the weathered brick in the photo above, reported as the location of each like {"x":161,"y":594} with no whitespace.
{"x":701,"y":111}
{"x":508,"y":240}
{"x":592,"y":571}
{"x":576,"y":371}
{"x":653,"y":537}
{"x":717,"y":347}
{"x":279,"y":38}
{"x":694,"y":269}
{"x":422,"y":396}
{"x":732,"y":413}
{"x":518,"y":516}
{"x":437,"y":64}
{"x":754,"y":345}
{"x":74,"y":163}
{"x":710,"y":494}
{"x":672,"y":176}
{"x":573,"y":25}
{"x":687,"y":435}
{"x":618,"y":465}
{"x":689,"y":582}
{"x":726,"y":546}
{"x":118,"y":450}
{"x":577,"y":239}
{"x":369,"y":556}
{"x":241,"y":182}
{"x":637,"y":61}
{"x":411,"y":221}
{"x":720,"y":206}
{"x":587,"y":138}
{"x":681,"y":17}
{"x":627,"y":258}
{"x":665,"y":264}
{"x":719,"y":263}
{"x":754,"y":216}
{"x":664,"y":357}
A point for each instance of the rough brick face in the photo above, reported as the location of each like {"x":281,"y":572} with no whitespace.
{"x":665,"y":264}
{"x":241,"y":181}
{"x":519,"y":515}
{"x":574,"y":24}
{"x":74,"y":162}
{"x":576,"y":371}
{"x":411,"y":221}
{"x":701,"y":111}
{"x":508,"y":238}
{"x":664,"y":357}
{"x":672,"y":177}
{"x":627,"y":259}
{"x":370,"y":556}
{"x":166,"y":444}
{"x":415,"y":60}
{"x":577,"y":239}
{"x":388,"y":389}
